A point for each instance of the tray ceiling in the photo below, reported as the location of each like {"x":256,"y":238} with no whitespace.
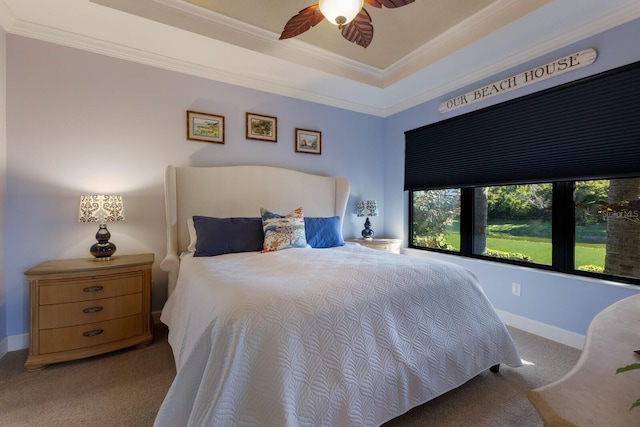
{"x":405,"y":40}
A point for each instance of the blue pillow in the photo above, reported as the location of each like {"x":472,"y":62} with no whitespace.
{"x":217,"y":236}
{"x":323,"y":232}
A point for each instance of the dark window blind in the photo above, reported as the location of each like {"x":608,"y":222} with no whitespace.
{"x":587,"y":129}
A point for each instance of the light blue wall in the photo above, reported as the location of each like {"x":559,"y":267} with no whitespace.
{"x":79,"y":122}
{"x":3,"y":166}
{"x":554,"y":299}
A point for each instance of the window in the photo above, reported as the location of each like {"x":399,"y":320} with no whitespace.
{"x":607,"y":227}
{"x":546,"y":180}
{"x":513,"y":222}
{"x":578,"y":227}
{"x":436,"y":219}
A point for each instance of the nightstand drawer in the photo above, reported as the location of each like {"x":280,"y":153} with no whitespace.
{"x":79,"y":313}
{"x":64,"y":291}
{"x":73,"y":337}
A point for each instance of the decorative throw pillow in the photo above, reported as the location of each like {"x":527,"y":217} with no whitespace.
{"x":323,"y":232}
{"x":218,"y":236}
{"x":283,"y":232}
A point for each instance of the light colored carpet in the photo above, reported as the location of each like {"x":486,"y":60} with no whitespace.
{"x":126,"y":388}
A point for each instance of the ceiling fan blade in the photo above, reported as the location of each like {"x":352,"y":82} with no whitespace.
{"x":374,"y":3}
{"x":388,"y":3}
{"x":360,"y":30}
{"x":303,"y":21}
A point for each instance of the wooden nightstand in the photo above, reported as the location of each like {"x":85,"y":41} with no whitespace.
{"x":81,"y":307}
{"x":386,"y":245}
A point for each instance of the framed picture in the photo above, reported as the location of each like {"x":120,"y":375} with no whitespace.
{"x":262,"y":127}
{"x":205,"y":127}
{"x":308,"y":141}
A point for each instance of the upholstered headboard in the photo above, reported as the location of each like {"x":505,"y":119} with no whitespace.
{"x":240,"y":191}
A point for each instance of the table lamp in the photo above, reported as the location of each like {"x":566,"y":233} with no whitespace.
{"x":367,"y":208}
{"x":101,"y":208}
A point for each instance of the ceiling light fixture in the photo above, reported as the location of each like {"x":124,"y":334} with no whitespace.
{"x":350,"y":16}
{"x":340,"y":12}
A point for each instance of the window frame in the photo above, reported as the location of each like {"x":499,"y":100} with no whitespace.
{"x":562,"y":235}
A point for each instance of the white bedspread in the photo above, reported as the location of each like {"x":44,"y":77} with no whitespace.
{"x":345,"y":336}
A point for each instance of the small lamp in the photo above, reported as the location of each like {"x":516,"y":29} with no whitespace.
{"x":101,"y":209}
{"x":367,"y":208}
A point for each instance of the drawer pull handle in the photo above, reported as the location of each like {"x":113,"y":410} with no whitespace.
{"x":93,"y":333}
{"x":92,"y":310}
{"x":93,"y":289}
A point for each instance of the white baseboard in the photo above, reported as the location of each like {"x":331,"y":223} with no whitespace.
{"x":17,"y":342}
{"x":544,"y":330}
{"x":4,"y":347}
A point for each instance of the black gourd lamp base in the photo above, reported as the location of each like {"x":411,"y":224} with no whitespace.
{"x":104,"y":249}
{"x":367,"y":233}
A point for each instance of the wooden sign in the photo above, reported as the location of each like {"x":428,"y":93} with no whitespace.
{"x":557,"y":67}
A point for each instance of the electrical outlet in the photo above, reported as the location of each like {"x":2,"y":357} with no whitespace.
{"x":515,"y":289}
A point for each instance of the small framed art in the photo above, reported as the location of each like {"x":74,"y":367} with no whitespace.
{"x":205,"y":127}
{"x":261,"y":127}
{"x":308,"y":141}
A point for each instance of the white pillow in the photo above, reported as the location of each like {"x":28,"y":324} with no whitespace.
{"x":193,"y":237}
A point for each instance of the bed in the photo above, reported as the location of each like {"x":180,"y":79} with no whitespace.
{"x":306,"y":332}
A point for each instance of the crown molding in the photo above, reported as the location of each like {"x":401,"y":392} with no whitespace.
{"x":458,"y":36}
{"x":307,"y":83}
{"x":592,"y":28}
{"x":232,"y":31}
{"x":246,"y":80}
{"x":295,"y":50}
{"x":7,"y":18}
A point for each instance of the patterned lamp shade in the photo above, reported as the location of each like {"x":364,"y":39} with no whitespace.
{"x":367,"y":208}
{"x":101,"y":208}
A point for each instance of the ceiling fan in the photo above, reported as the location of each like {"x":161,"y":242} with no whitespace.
{"x":349,"y":15}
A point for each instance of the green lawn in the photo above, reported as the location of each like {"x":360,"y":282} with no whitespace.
{"x":528,"y":240}
{"x":538,"y":250}
{"x":590,"y":255}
